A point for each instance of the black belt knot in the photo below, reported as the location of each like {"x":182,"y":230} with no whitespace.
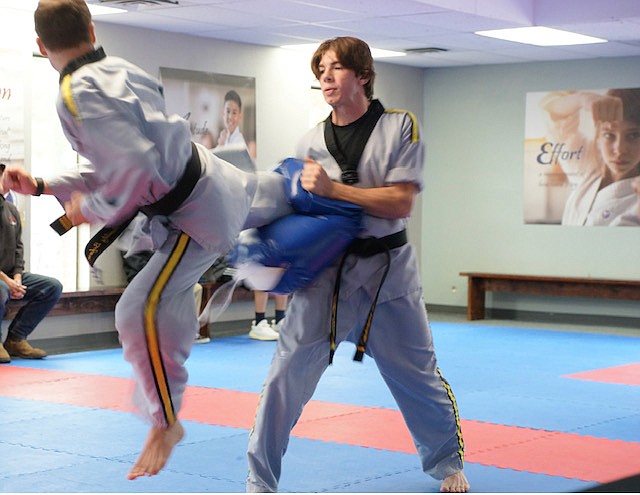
{"x":363,"y":248}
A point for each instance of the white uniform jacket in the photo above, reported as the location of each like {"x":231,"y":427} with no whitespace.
{"x":394,"y":153}
{"x":113,"y":114}
{"x":613,"y":205}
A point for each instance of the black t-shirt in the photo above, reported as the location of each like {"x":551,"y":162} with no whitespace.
{"x":346,"y":143}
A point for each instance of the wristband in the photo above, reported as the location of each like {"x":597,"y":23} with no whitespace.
{"x":39,"y":186}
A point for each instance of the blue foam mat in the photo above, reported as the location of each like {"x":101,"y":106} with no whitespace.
{"x":499,"y":374}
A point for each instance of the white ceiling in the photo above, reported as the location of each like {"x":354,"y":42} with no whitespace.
{"x":399,"y":25}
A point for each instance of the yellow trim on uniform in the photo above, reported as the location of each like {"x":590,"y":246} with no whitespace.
{"x":67,"y":95}
{"x":151,"y":330}
{"x":456,"y":414}
{"x":415,"y":136}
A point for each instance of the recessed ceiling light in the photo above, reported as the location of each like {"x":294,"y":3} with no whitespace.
{"x":97,"y":10}
{"x":30,"y":6}
{"x":541,"y":36}
{"x":381,"y":53}
{"x":310,"y":48}
{"x":19,"y":4}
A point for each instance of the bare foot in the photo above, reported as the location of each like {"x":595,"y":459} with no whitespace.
{"x":456,"y":483}
{"x":156,"y":451}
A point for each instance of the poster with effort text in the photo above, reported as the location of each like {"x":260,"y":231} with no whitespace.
{"x":582,"y":157}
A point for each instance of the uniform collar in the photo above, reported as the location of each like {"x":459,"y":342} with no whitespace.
{"x":75,"y":64}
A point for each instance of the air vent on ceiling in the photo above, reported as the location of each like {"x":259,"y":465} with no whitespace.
{"x":630,"y":42}
{"x":428,"y":49}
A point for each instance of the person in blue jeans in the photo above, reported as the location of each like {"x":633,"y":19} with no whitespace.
{"x":40,"y":293}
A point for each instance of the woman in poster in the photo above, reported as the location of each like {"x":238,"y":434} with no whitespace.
{"x":611,"y":159}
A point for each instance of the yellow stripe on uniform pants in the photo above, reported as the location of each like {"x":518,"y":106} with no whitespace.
{"x":151,"y":330}
{"x":452,"y":398}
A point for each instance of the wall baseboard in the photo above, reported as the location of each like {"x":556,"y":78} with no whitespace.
{"x":109,"y":340}
{"x":543,"y":316}
{"x":77,"y":343}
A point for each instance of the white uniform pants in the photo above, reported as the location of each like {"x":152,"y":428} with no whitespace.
{"x":401,"y":344}
{"x":156,"y":320}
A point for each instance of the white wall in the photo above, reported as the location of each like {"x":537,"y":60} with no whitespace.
{"x":472,"y":205}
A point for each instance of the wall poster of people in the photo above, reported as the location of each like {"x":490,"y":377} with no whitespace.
{"x":221,"y":108}
{"x":582,"y":157}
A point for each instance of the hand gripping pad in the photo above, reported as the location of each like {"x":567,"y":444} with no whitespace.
{"x":306,"y":202}
{"x":303,"y":243}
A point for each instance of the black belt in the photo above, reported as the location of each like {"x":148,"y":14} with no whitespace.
{"x":370,"y":246}
{"x":364,"y":248}
{"x":171,"y":201}
{"x":165,"y":206}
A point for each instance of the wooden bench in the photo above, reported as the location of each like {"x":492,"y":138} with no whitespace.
{"x":104,"y":299}
{"x":480,"y":283}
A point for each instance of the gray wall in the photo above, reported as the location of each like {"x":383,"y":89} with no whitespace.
{"x":472,"y":204}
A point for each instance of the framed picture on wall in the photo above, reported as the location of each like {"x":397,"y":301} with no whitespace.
{"x":220,"y":108}
{"x":582,"y":157}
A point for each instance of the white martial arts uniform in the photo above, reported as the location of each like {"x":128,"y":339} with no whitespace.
{"x":614,"y":205}
{"x":236,"y":137}
{"x":400,"y":338}
{"x":113,"y":114}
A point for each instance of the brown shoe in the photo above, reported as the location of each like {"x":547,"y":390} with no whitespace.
{"x":22,"y":349}
{"x":4,"y":355}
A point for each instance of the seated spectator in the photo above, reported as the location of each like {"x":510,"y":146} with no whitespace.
{"x":39,"y":292}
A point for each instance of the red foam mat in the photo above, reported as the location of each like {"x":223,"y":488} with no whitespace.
{"x":63,"y":387}
{"x":627,"y":374}
{"x":523,"y":449}
{"x":550,"y":452}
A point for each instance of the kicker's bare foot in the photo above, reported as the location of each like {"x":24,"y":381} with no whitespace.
{"x":456,"y":483}
{"x":156,"y":451}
